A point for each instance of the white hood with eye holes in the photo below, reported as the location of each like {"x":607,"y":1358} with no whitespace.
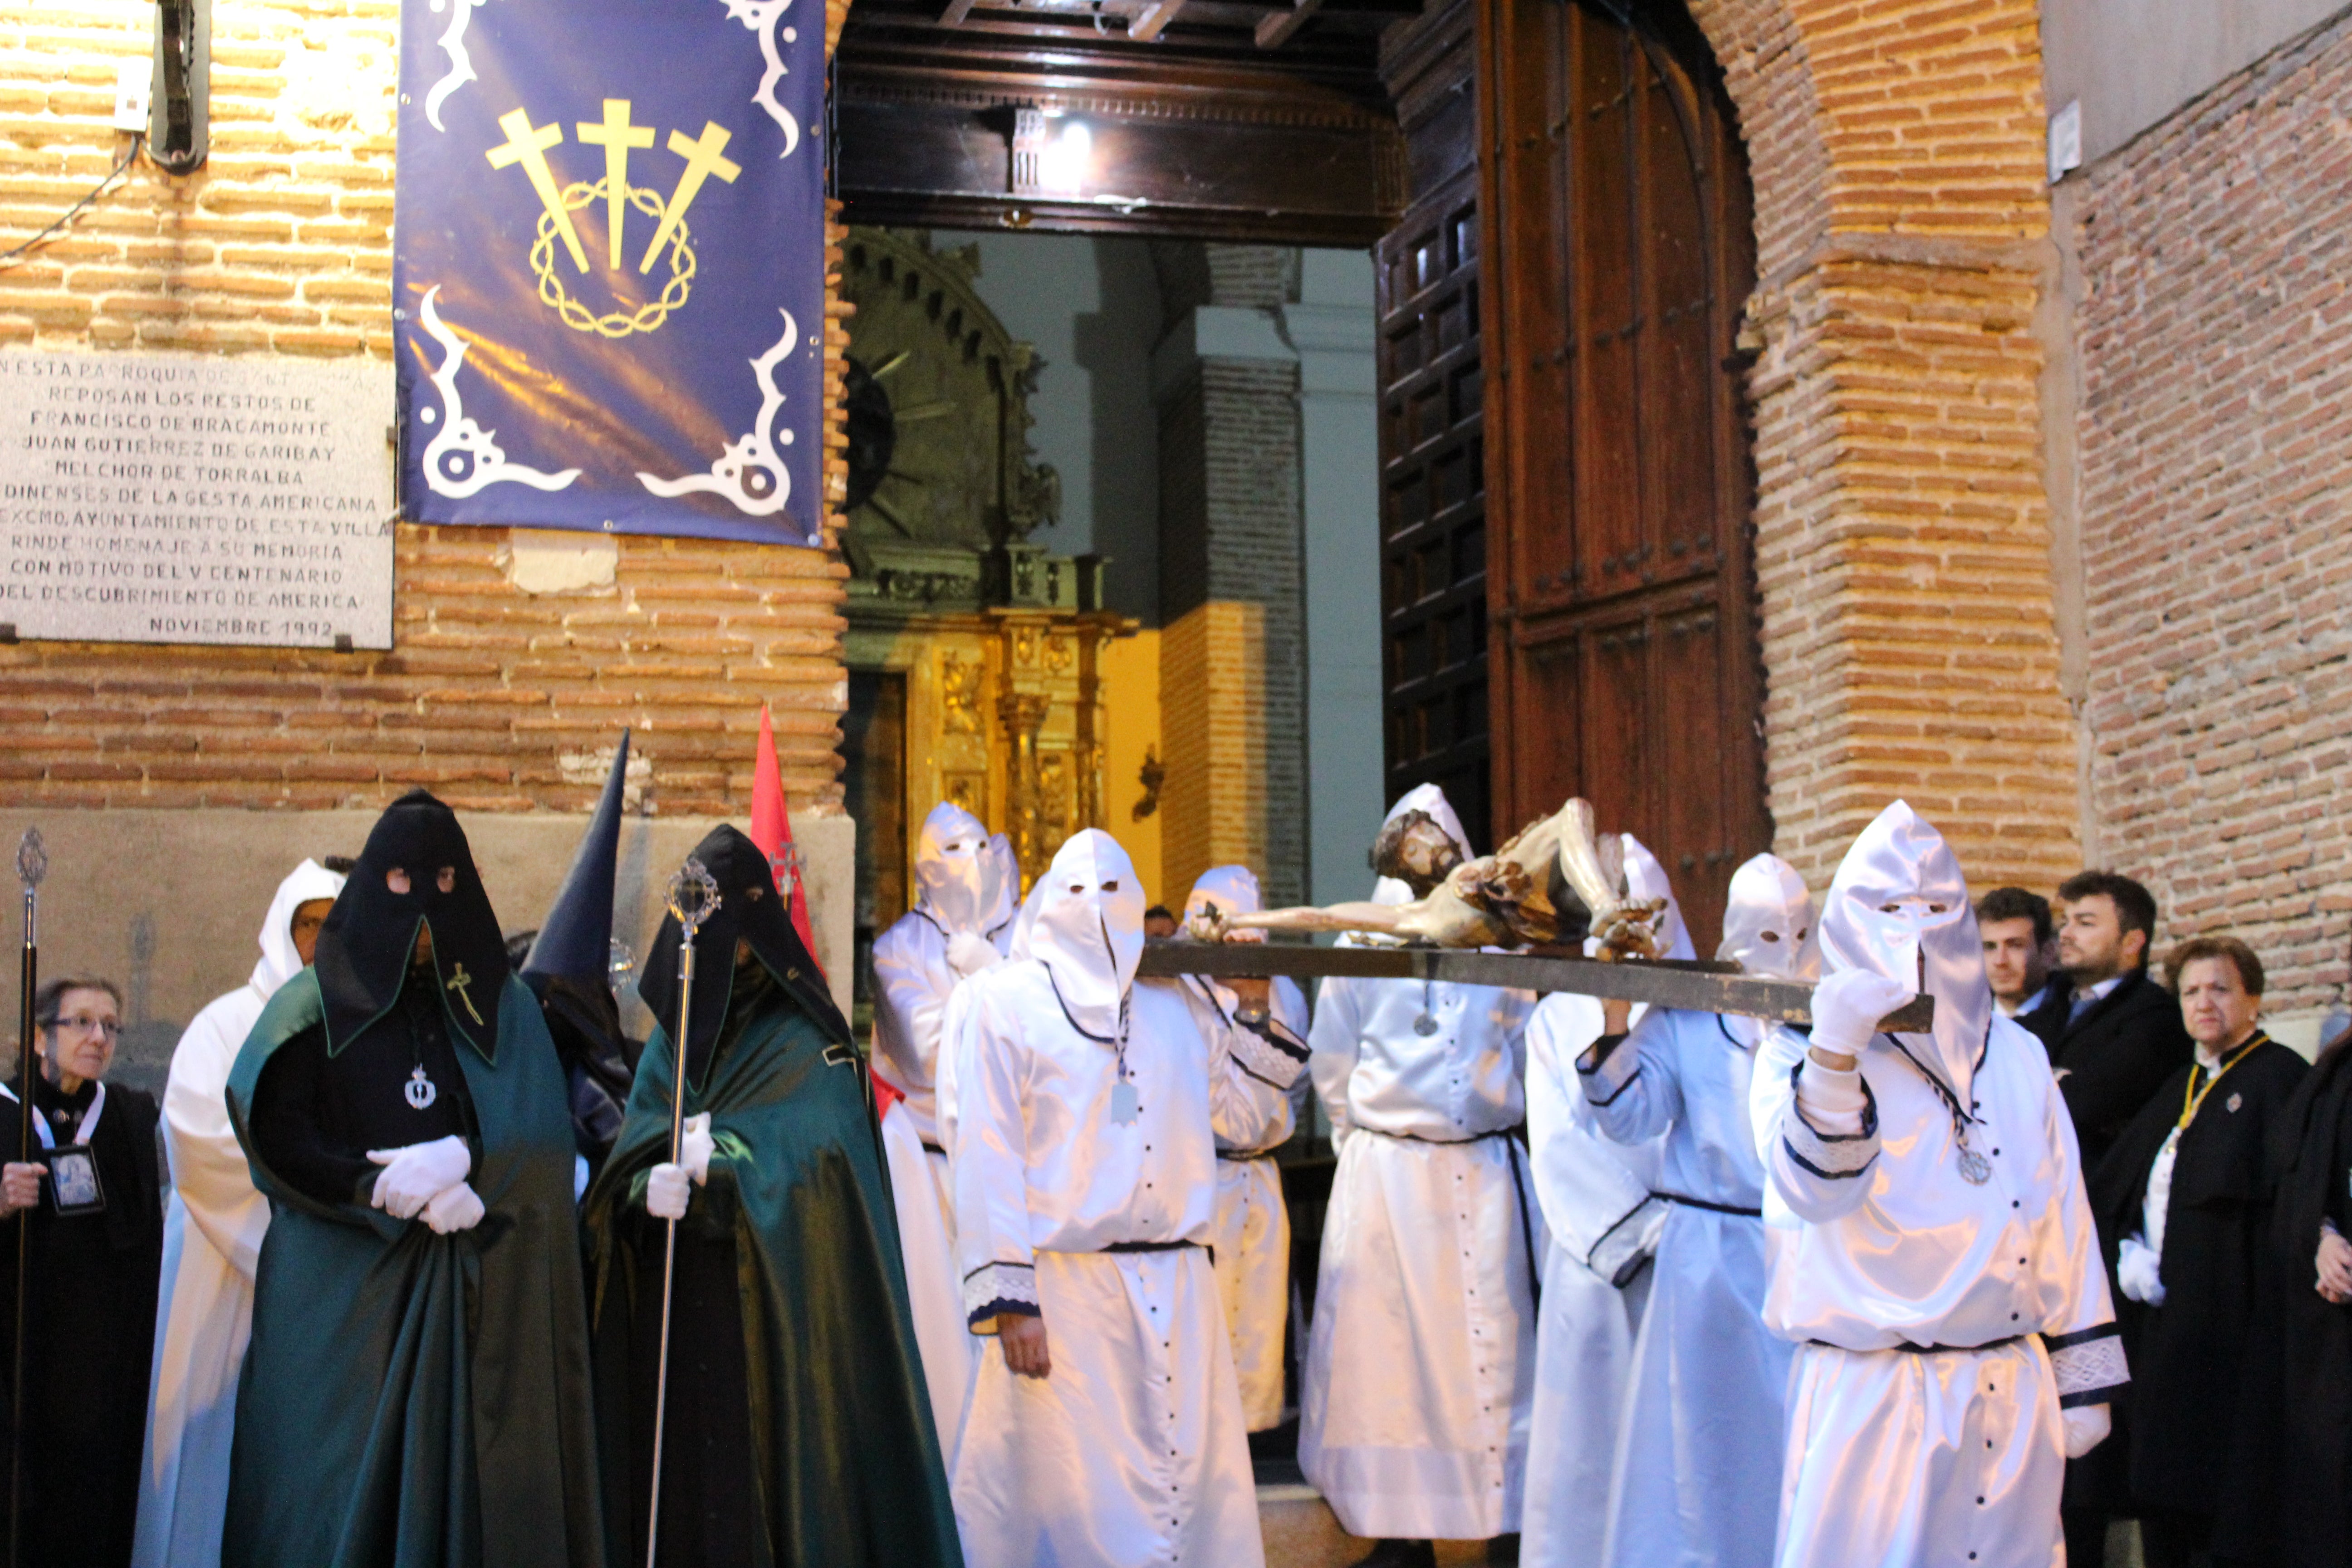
{"x":1899,"y":907}
{"x":1768,"y":921}
{"x":1645,"y":879}
{"x":1085,"y":921}
{"x":954,"y":869}
{"x":280,"y":960}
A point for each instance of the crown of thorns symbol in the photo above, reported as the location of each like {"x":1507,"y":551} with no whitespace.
{"x":646,"y":318}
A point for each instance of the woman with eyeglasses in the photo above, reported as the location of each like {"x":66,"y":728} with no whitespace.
{"x":92,"y":1188}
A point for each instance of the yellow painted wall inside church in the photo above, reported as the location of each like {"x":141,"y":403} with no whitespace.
{"x":1130,"y":676}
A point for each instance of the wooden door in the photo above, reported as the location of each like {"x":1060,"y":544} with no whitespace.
{"x":1620,"y":579}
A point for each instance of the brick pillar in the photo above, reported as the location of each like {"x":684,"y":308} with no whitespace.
{"x":1233,"y":654}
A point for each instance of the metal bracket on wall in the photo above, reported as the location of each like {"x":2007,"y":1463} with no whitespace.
{"x":179,"y":135}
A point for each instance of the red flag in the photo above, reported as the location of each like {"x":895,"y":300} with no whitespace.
{"x":772,"y":830}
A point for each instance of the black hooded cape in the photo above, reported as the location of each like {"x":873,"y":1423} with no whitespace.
{"x":799,"y":1429}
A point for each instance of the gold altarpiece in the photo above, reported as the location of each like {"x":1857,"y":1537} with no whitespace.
{"x":977,"y":659}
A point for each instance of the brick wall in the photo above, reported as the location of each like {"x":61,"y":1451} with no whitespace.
{"x":281,"y":245}
{"x":1903,"y":537}
{"x":2215,"y":323}
{"x":1215,"y":803}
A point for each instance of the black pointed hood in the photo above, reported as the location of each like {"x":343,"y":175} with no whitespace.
{"x":749,"y":909}
{"x":575,"y":941}
{"x":364,"y":947}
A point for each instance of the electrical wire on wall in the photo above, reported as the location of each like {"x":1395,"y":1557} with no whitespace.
{"x":11,"y":257}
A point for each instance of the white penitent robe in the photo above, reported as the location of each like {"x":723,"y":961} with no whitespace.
{"x":213,"y":1225}
{"x":913,"y":982}
{"x":1901,"y":1453}
{"x":1699,"y":1455}
{"x":1421,"y":1366}
{"x":1132,"y":1450}
{"x":1252,"y":1238}
{"x":1604,"y":1221}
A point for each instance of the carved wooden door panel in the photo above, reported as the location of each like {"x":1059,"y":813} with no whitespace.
{"x":1620,"y":579}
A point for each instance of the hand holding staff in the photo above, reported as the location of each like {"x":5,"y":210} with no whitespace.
{"x":693,"y":899}
{"x":31,"y":865}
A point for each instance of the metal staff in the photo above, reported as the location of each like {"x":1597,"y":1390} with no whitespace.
{"x":693,"y":899}
{"x":31,"y":865}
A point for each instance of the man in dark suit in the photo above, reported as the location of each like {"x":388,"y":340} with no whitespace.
{"x":2115,"y":1037}
{"x":2114,"y":1034}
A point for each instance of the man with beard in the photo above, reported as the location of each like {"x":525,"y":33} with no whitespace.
{"x":1698,"y":1461}
{"x":1105,"y":1423}
{"x":797,"y":1432}
{"x":967,"y":886}
{"x":416,"y":1391}
{"x":1421,"y":1368}
{"x":213,"y":1228}
{"x":1935,"y":1260}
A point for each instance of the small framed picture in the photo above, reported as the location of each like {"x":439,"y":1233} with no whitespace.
{"x":74,"y":1187}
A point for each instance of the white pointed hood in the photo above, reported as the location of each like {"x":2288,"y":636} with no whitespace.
{"x":1429,"y":799}
{"x":953,"y":869}
{"x":1000,"y":885}
{"x":279,"y":962}
{"x":1085,"y":921}
{"x":1769,"y":922}
{"x":1899,"y":907}
{"x":1233,"y":890}
{"x":1645,"y":879}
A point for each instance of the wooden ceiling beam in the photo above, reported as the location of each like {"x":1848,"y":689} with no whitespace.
{"x":1277,"y":29}
{"x":1154,"y":20}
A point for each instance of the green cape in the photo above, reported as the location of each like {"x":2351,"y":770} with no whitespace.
{"x":845,"y":1456}
{"x":410,"y":1400}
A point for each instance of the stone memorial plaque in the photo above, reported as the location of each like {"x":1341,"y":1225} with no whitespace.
{"x":195,"y":499}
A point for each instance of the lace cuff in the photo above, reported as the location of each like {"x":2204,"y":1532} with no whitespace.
{"x":2089,"y":1366}
{"x":1605,"y":1068}
{"x":1625,"y":1246}
{"x":1833,"y":1156}
{"x":1268,"y":1053}
{"x":1001,"y":1290}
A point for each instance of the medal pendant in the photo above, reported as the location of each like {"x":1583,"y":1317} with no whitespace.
{"x":1975,"y":1168}
{"x":1425,"y":1026}
{"x":1126,"y":1105}
{"x":420,"y":1091}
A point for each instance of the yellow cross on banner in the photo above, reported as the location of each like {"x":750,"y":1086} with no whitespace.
{"x":616,"y":136}
{"x":702,"y":160}
{"x":529,"y":146}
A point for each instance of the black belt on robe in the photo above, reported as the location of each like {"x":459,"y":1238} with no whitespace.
{"x":1711,"y":1206}
{"x":1907,"y":1348}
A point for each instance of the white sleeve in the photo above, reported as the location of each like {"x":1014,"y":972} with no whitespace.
{"x":1249,"y":1075}
{"x":1634,"y":1094}
{"x":2086,"y":1349}
{"x":1819,"y":1163}
{"x":990,"y":1168}
{"x":1335,"y":1041}
{"x":208,"y":1164}
{"x":912,"y":1001}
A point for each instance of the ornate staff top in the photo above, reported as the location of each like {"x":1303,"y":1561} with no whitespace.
{"x":693,"y":895}
{"x":32,"y":859}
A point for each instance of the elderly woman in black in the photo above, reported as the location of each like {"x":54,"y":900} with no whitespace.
{"x":2183,"y":1201}
{"x":92,"y":1187}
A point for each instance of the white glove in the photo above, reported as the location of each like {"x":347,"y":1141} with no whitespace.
{"x":453,"y":1208}
{"x":666,"y":1187}
{"x":968,"y":953}
{"x":1847,"y":1006}
{"x":2086,"y":1427}
{"x":2139,"y":1270}
{"x":416,"y":1174}
{"x":695,"y":1147}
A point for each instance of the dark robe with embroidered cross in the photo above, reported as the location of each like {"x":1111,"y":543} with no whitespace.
{"x":799,"y":1430}
{"x":410,"y":1400}
{"x":2188,"y":1355}
{"x":90,"y":1330}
